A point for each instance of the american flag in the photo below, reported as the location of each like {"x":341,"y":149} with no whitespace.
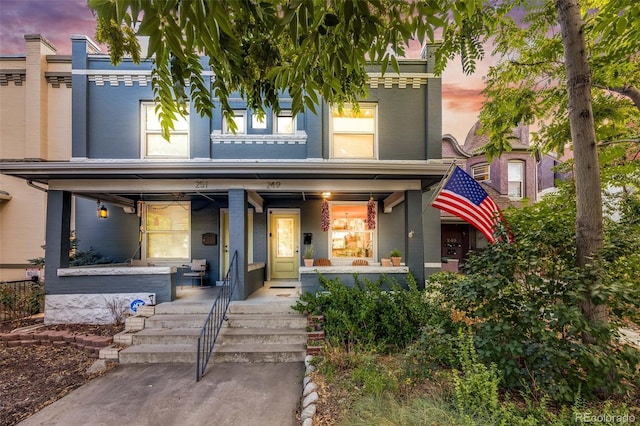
{"x":462,"y":196}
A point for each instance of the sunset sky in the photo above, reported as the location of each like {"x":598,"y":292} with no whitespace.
{"x":57,"y":20}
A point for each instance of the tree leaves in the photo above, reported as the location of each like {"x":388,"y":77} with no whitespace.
{"x":319,"y":46}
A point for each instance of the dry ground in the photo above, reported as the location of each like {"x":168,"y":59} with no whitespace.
{"x":32,"y":377}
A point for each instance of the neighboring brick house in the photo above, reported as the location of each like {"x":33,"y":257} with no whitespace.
{"x":520,"y":175}
{"x":35,"y":126}
{"x":258,"y":194}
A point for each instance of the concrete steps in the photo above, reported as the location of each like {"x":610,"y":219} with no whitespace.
{"x":175,"y":321}
{"x":159,"y":354}
{"x":272,"y":321}
{"x":257,"y":352}
{"x":256,"y":331}
{"x":263,"y":336}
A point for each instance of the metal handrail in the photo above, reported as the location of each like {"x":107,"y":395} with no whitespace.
{"x":217,"y":314}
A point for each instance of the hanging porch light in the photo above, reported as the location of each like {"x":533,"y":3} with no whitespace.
{"x":103,"y":213}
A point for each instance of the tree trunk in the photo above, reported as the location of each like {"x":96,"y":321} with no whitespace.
{"x":589,"y":233}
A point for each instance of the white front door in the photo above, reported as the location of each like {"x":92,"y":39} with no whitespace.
{"x":284,"y":244}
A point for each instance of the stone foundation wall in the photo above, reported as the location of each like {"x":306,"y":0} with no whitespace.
{"x":92,"y":308}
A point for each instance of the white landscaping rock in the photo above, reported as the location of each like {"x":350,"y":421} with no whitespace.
{"x":308,"y":359}
{"x":310,"y":399}
{"x":308,"y":412}
{"x":306,"y":381}
{"x":311,"y":387}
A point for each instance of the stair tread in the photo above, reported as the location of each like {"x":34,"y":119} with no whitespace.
{"x":262,"y":331}
{"x":259,"y":347}
{"x":189,"y":331}
{"x":169,"y":317}
{"x":293,"y":314}
{"x":158,"y":348}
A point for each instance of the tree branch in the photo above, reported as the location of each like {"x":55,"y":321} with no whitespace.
{"x":629,"y":91}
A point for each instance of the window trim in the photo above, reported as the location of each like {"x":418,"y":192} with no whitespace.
{"x":259,"y":125}
{"x":475,"y":167}
{"x":144,"y":132}
{"x":522,"y":181}
{"x":284,"y":113}
{"x":362,"y":105}
{"x":236,"y":113}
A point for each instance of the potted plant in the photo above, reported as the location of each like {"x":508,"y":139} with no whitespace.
{"x":395,"y":256}
{"x":308,"y":255}
{"x":385,"y":261}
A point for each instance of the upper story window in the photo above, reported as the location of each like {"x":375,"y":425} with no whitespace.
{"x":516,"y":179}
{"x":480,"y":172}
{"x":167,"y":233}
{"x":349,"y":235}
{"x":154,"y":145}
{"x":258,"y":123}
{"x":285,"y":123}
{"x":353,"y":133}
{"x":240,"y":120}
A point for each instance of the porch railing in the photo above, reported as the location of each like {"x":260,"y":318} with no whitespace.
{"x":217,"y":314}
{"x":20,"y":299}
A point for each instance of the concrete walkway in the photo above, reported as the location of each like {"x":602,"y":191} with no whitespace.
{"x":229,"y":394}
{"x":266,"y":394}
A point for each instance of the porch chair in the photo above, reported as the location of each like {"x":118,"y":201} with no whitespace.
{"x":197,"y":270}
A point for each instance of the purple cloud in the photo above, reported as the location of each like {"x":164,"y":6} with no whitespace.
{"x":56,"y":20}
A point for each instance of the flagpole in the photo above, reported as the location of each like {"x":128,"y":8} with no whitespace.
{"x":439,"y":187}
{"x":442,"y":182}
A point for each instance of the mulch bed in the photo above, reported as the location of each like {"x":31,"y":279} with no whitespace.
{"x":36,"y":375}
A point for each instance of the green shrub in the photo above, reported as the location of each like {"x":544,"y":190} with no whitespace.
{"x":376,"y":315}
{"x":476,"y":386}
{"x":522,"y":302}
{"x":78,"y":257}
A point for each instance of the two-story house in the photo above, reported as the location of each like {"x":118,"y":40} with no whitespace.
{"x":518,"y":176}
{"x":35,"y":126}
{"x":260,"y":194}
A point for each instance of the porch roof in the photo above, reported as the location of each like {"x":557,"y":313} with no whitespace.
{"x":121,"y":181}
{"x":43,"y":172}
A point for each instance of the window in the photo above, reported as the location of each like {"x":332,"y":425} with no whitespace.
{"x":516,"y":179}
{"x":154,"y":144}
{"x":349,"y":235}
{"x":167,"y":230}
{"x":285,"y":124}
{"x":257,"y":123}
{"x":353,"y":132}
{"x":480,"y":172}
{"x":240,"y":119}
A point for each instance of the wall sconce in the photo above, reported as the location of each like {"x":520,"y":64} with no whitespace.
{"x":103,"y":213}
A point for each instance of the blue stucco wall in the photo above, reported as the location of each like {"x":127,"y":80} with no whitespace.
{"x":115,"y":237}
{"x":205,"y":217}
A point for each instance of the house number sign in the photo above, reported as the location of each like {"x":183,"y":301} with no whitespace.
{"x":202,"y":184}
